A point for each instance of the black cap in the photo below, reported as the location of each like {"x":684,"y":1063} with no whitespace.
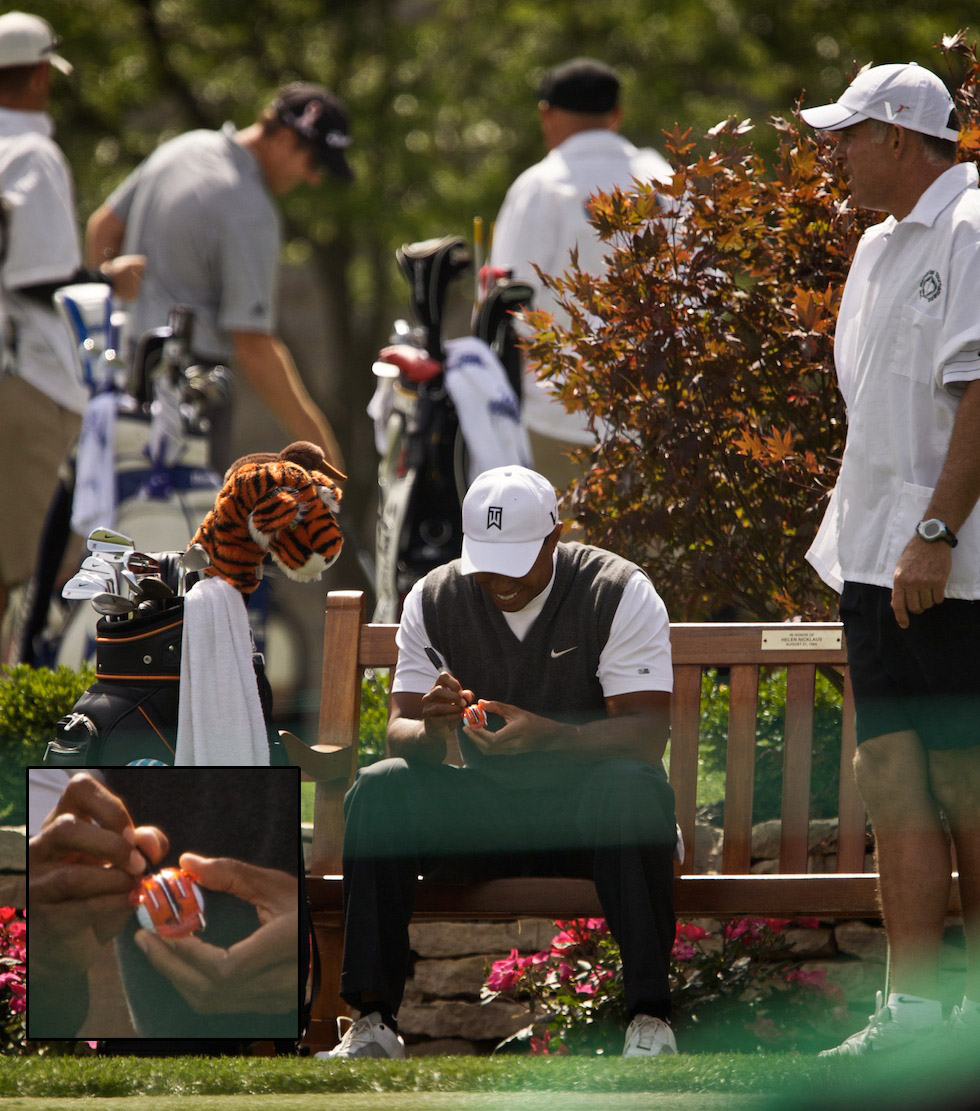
{"x":319,"y":117}
{"x":581,"y":85}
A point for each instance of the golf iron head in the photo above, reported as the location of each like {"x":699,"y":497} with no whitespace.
{"x":106,"y":540}
{"x":113,"y":605}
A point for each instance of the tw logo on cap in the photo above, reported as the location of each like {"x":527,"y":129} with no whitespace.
{"x":495,"y":517}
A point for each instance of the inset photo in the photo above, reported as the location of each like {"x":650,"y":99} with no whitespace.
{"x":164,"y":903}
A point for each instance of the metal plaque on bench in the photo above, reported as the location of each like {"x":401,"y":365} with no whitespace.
{"x":802,"y":639}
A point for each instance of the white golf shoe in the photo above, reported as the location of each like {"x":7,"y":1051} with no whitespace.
{"x":884,"y":1035}
{"x":367,"y":1037}
{"x":647,"y":1036}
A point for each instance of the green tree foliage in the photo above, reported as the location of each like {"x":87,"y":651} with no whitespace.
{"x":706,"y":348}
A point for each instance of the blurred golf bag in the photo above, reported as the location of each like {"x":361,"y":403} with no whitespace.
{"x":129,"y":715}
{"x":156,"y":415}
{"x":422,"y":473}
{"x":159,"y":410}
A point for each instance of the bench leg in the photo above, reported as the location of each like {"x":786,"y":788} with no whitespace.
{"x":322,"y":1033}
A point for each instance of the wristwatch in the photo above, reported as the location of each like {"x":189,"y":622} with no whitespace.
{"x":932,"y":529}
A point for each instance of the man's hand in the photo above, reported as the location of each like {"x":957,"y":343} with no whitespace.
{"x":82,"y":866}
{"x":920,"y":578}
{"x":522,"y":732}
{"x":442,"y":707}
{"x":126,"y":274}
{"x":259,"y":973}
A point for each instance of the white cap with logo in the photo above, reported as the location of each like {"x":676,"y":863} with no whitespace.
{"x":26,"y":40}
{"x":507,"y":513}
{"x":907,"y":95}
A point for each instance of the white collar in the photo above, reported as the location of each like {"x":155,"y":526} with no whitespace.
{"x":943,"y":191}
{"x":523,"y":619}
{"x":14,"y":121}
{"x":595,"y":138}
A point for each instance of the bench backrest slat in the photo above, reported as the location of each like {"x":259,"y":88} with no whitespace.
{"x":852,"y":821}
{"x":685,"y":723}
{"x":740,"y":768}
{"x":797,"y":752}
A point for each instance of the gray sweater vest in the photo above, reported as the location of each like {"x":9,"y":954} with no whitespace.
{"x":552,"y":672}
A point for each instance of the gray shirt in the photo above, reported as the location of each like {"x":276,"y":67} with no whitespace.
{"x":199,"y":210}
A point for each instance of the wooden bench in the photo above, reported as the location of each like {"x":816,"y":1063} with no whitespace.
{"x":350,"y":646}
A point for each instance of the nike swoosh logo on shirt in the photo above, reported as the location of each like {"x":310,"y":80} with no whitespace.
{"x":563,"y":652}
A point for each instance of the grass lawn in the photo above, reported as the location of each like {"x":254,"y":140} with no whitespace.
{"x":687,"y":1082}
{"x":401,"y":1101}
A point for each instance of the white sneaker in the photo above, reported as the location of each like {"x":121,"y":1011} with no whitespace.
{"x":883,"y":1035}
{"x":963,"y":1027}
{"x":367,"y":1037}
{"x":647,"y":1036}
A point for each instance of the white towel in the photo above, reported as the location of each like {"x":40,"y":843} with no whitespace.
{"x":219,"y":719}
{"x":487,"y":407}
{"x":94,"y":500}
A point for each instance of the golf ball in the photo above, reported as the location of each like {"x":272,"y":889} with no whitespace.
{"x":169,"y":903}
{"x":475,"y":716}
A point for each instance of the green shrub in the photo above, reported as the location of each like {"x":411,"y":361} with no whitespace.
{"x":31,"y":702}
{"x":374,"y":717}
{"x":770,"y":732}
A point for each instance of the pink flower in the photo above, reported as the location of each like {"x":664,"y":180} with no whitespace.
{"x":690,"y":932}
{"x":504,"y":973}
{"x":777,"y":924}
{"x":682,"y":951}
{"x":808,"y":923}
{"x":735,"y":930}
{"x":542,"y":1047}
{"x":816,"y":978}
{"x":752,"y":927}
{"x":565,"y":972}
{"x":6,"y":913}
{"x":587,"y":987}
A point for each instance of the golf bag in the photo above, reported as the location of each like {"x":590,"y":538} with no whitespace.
{"x":129,"y":715}
{"x":422,"y":473}
{"x":162,"y":404}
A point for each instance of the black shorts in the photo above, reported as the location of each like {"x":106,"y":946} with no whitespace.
{"x":925,"y":678}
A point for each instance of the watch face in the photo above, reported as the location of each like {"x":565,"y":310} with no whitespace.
{"x":931,"y":530}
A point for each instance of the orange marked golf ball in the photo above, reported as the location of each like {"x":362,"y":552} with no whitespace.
{"x":169,"y":903}
{"x":475,"y":716}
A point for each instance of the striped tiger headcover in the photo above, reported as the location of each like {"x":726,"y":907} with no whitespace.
{"x":283,"y":505}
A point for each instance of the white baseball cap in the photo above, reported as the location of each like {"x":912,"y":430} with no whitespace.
{"x":507,"y":513}
{"x":907,"y":95}
{"x":26,"y":40}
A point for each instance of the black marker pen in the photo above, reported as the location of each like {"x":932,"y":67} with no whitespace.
{"x":434,"y":658}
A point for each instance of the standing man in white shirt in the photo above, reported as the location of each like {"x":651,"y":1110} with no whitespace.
{"x":545,"y":216}
{"x":901,"y":536}
{"x":41,"y":397}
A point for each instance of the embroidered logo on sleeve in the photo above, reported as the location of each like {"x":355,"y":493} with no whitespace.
{"x":930,"y":285}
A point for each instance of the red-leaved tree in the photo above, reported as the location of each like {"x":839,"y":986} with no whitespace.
{"x":706,"y":351}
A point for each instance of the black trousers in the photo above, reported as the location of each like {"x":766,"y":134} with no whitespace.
{"x":612,"y":820}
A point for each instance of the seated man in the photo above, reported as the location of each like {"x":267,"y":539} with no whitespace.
{"x":567,"y":648}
